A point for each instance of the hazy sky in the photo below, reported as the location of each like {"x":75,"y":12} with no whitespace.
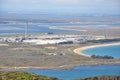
{"x":61,"y":6}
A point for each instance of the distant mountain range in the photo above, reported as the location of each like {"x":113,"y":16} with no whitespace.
{"x":58,"y":18}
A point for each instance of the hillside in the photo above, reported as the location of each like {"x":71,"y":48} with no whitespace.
{"x":16,"y":75}
{"x":102,"y":78}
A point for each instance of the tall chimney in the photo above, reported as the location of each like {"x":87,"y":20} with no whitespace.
{"x":26,"y":31}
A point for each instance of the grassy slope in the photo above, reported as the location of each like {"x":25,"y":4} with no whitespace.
{"x":102,"y":78}
{"x":25,"y":55}
{"x":16,"y":75}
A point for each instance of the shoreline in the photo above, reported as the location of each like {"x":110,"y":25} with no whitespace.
{"x":62,"y":28}
{"x":54,"y":68}
{"x":79,"y":50}
{"x":66,"y":67}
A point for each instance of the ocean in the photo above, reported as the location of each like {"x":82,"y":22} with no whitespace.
{"x":76,"y":72}
{"x":87,"y":71}
{"x":42,"y":27}
{"x":80,"y":72}
{"x":32,"y":28}
{"x":113,"y":51}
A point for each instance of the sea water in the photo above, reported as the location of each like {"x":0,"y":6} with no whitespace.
{"x":41,"y":27}
{"x":113,"y":51}
{"x":76,"y":72}
{"x":87,"y":71}
{"x":80,"y":72}
{"x":33,"y":28}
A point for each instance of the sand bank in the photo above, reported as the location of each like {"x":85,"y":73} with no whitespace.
{"x":11,"y":28}
{"x":3,"y":44}
{"x":79,"y":50}
{"x":65,"y":28}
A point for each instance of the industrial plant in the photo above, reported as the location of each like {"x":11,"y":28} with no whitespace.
{"x":49,"y":38}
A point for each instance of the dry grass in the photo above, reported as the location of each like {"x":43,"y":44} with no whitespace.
{"x":23,"y":55}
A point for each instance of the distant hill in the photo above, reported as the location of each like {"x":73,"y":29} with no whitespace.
{"x":56,"y":18}
{"x":16,"y":75}
{"x":102,"y":78}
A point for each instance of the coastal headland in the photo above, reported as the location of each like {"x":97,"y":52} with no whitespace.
{"x":18,"y":55}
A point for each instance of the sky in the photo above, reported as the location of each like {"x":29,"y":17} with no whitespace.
{"x":61,"y":6}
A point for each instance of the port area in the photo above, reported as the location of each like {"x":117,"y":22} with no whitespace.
{"x":54,"y":50}
{"x":49,"y":51}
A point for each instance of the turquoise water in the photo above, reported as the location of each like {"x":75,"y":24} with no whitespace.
{"x":113,"y":51}
{"x":87,"y":71}
{"x":76,"y":72}
{"x":80,"y":72}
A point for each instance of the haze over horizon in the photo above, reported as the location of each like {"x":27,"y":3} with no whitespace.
{"x":97,"y":7}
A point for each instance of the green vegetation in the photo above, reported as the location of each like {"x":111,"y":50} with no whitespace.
{"x":16,"y":75}
{"x":102,"y":78}
{"x":102,"y":57}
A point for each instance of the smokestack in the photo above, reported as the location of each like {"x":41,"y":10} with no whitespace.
{"x":26,"y":31}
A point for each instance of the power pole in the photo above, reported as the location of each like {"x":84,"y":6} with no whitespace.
{"x":105,"y":34}
{"x":26,"y":31}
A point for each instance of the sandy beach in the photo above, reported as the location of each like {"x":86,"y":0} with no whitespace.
{"x":110,"y":31}
{"x":17,"y":56}
{"x":1,"y":44}
{"x":66,"y":28}
{"x":79,"y":50}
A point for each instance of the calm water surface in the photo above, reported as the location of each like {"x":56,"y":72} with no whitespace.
{"x":77,"y":72}
{"x":33,"y":28}
{"x":80,"y":72}
{"x":43,"y":27}
{"x":87,"y":71}
{"x":113,"y":51}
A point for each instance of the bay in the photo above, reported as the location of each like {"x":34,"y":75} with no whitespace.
{"x":33,"y":28}
{"x":80,"y":71}
{"x":42,"y":27}
{"x":113,"y":51}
